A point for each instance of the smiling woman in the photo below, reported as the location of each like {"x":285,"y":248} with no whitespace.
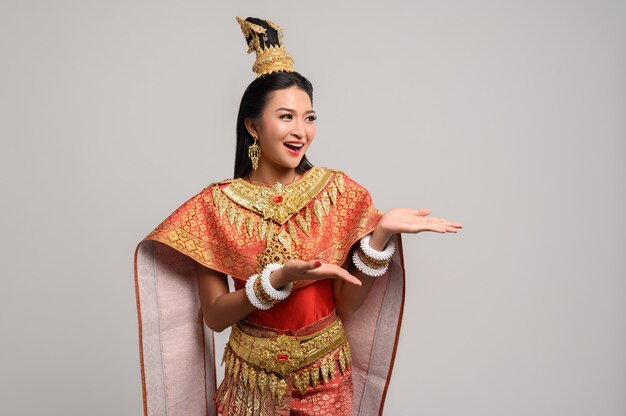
{"x":318,"y":271}
{"x":286,"y":125}
{"x":285,"y":128}
{"x":277,"y":107}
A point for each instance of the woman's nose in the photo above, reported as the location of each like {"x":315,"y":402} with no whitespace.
{"x":298,"y":130}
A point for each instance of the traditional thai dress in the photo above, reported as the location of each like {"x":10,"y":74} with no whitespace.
{"x":298,"y":357}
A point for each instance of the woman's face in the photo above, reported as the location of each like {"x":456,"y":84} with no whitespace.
{"x":286,"y":128}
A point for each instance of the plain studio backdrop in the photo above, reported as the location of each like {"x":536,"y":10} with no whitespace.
{"x":506,"y":116}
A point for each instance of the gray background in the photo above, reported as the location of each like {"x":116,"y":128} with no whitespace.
{"x":505,"y":116}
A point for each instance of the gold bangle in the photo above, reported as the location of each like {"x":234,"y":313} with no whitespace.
{"x":261,"y":295}
{"x":370,"y":262}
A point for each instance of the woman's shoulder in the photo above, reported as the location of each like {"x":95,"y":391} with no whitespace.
{"x":217,"y":184}
{"x":343,"y":176}
{"x":338,"y":173}
{"x":339,"y":176}
{"x":347,"y":185}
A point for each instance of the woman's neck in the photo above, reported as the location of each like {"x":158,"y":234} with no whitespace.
{"x":270,"y":175}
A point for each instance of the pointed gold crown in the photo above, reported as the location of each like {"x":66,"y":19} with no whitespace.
{"x":272,"y":58}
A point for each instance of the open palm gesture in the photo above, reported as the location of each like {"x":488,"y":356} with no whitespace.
{"x":406,"y":220}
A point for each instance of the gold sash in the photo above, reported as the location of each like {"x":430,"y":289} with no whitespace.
{"x":266,"y":362}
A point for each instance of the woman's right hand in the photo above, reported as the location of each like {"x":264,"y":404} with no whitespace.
{"x":295,"y":270}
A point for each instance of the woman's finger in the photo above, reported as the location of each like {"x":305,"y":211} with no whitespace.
{"x":350,"y":279}
{"x":334,"y":272}
{"x":313,"y":264}
{"x":446,"y":222}
{"x":296,"y":265}
{"x":331,"y":271}
{"x":416,"y":228}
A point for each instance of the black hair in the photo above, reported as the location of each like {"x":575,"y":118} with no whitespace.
{"x":254,"y":100}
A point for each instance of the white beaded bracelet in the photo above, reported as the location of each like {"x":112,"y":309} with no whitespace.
{"x":367,"y":270}
{"x":267,"y":286}
{"x":252,"y":296}
{"x":375,"y":254}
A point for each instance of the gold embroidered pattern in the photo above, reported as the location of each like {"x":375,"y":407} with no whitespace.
{"x":202,"y":230}
{"x":265,"y":208}
{"x":304,"y":220}
{"x":285,"y":354}
{"x":257,"y":370}
{"x":278,"y":202}
{"x":277,"y":251}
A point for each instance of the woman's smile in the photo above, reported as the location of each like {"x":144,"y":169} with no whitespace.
{"x":294,"y":147}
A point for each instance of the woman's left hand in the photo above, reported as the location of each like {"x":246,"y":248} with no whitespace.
{"x":405,"y":220}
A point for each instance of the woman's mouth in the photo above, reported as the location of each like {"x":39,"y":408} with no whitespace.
{"x":294,"y":148}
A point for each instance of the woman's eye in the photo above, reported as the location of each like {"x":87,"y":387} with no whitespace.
{"x":290,"y":116}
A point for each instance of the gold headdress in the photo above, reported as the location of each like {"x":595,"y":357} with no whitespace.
{"x":272,"y":58}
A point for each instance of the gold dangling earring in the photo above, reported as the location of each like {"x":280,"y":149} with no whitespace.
{"x":254,"y":153}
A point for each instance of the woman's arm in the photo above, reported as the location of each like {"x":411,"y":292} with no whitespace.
{"x":348,"y":298}
{"x":220,"y":308}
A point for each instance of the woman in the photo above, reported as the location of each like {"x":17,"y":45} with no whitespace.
{"x":317,"y":271}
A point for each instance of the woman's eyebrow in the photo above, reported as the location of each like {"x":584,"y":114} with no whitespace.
{"x":289,"y":109}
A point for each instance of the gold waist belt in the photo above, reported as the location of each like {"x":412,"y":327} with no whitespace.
{"x":285,"y":354}
{"x":265,"y":362}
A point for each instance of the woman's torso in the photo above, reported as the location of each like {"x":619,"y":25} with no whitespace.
{"x":303,"y":307}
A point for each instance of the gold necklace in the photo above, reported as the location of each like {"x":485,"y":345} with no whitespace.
{"x":292,"y":181}
{"x":279,"y":202}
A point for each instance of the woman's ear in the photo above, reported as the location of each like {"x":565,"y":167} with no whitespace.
{"x":251,"y":127}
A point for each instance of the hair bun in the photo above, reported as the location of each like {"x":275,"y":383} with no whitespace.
{"x":265,"y":38}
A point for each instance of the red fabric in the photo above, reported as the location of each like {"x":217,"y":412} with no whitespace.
{"x":302,"y":308}
{"x":200,"y":230}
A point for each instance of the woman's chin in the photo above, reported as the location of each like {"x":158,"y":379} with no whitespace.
{"x":282,"y":162}
{"x":291,"y":164}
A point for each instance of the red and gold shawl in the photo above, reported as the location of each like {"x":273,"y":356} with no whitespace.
{"x":234,"y":226}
